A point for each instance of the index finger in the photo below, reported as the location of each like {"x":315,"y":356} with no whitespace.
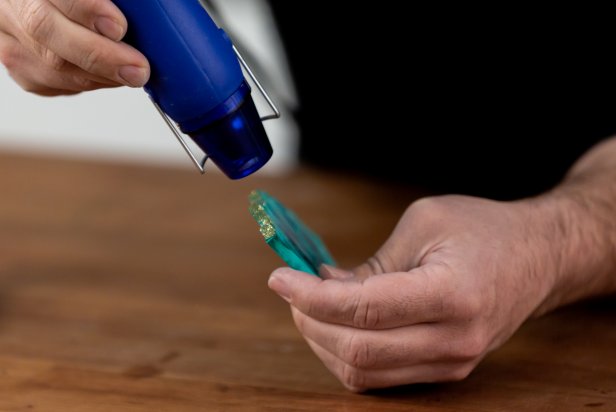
{"x":102,"y":16}
{"x":384,"y":301}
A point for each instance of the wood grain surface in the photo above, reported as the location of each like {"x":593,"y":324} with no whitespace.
{"x":127,"y":288}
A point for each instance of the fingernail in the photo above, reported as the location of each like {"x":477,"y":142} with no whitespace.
{"x":134,"y":76}
{"x":330,"y":272}
{"x":278,"y":284}
{"x":109,"y":28}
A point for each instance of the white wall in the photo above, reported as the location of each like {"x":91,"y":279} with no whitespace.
{"x":122,"y":124}
{"x":116,"y":124}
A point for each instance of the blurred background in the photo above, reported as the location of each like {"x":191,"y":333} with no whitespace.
{"x":443,"y":99}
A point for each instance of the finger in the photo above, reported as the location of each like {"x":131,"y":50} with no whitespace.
{"x":40,"y":89}
{"x":25,"y":68}
{"x":62,"y":88}
{"x":74,"y":77}
{"x":391,"y":300}
{"x":101,"y":16}
{"x":18,"y":58}
{"x":7,"y":18}
{"x":48,"y":28}
{"x":13,"y":57}
{"x":400,"y":252}
{"x":422,"y":229}
{"x":358,"y":380}
{"x":9,"y":51}
{"x":407,"y":346}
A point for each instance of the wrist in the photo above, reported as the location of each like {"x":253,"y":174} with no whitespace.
{"x":577,"y":238}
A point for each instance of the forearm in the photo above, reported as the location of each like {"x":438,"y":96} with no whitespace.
{"x":581,"y":216}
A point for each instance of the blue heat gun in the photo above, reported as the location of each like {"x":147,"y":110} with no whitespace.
{"x":197,"y":83}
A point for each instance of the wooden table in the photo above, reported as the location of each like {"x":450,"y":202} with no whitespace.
{"x":126,"y":288}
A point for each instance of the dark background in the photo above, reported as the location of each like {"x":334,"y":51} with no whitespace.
{"x":497,"y":103}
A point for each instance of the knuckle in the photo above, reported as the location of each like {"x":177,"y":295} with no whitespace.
{"x":459,"y":373}
{"x":33,"y":87}
{"x":429,"y":210}
{"x":440,"y":302}
{"x":8,"y":56}
{"x":365,"y":314}
{"x":310,"y":306}
{"x":84,"y":11}
{"x":471,"y":347}
{"x":30,"y":87}
{"x":358,"y":353}
{"x":353,"y":378}
{"x":463,"y":306}
{"x":81,"y":82}
{"x":70,"y":7}
{"x":84,"y":84}
{"x":88,"y":5}
{"x":470,"y":307}
{"x":300,"y":320}
{"x":426,"y":206}
{"x":54,"y":61}
{"x":35,"y":19}
{"x":91,"y":60}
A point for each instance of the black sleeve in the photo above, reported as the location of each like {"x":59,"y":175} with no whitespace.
{"x":454,"y":102}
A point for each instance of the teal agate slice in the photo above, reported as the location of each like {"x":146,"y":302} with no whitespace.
{"x":298,"y":246}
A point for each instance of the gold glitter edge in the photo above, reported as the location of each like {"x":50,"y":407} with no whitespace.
{"x":257,"y":210}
